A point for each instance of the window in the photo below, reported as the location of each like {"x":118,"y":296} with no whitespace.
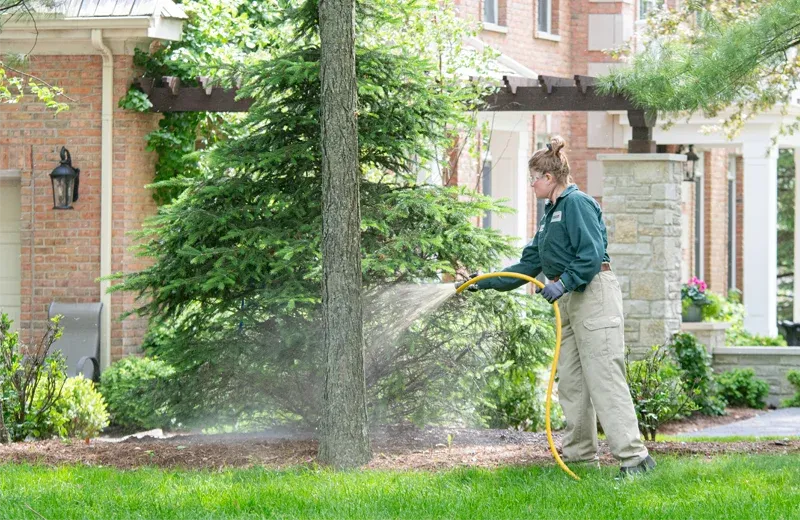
{"x":490,"y":11}
{"x":544,"y":16}
{"x":646,"y":7}
{"x":699,"y":218}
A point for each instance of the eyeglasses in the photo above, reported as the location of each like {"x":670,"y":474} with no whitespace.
{"x":535,"y":177}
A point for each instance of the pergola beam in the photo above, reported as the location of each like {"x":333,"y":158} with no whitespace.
{"x":548,"y":94}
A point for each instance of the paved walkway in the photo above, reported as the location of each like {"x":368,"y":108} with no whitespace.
{"x":783,"y":422}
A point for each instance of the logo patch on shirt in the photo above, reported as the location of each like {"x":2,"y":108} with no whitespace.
{"x":556,"y":217}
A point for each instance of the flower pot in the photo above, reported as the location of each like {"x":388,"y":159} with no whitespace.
{"x":694,"y":313}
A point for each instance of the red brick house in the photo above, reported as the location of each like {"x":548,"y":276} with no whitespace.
{"x":58,"y":255}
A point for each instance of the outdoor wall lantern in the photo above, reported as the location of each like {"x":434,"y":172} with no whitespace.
{"x":65,"y":182}
{"x":691,"y":163}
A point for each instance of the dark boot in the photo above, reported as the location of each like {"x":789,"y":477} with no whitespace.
{"x":643,"y":467}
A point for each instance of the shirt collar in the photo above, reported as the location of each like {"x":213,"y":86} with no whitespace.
{"x":569,"y":189}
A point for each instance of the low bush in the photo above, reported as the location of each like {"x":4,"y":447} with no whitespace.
{"x":740,"y":387}
{"x":80,"y":411}
{"x":697,"y":374}
{"x":31,"y":379}
{"x":657,"y":390}
{"x":136,"y":390}
{"x":794,"y":378}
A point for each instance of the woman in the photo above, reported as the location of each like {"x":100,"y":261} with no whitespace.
{"x":570,"y":248}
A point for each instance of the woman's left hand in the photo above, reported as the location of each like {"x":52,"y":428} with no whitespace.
{"x":552,"y":291}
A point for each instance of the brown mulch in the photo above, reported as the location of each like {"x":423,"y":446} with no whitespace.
{"x":400,"y":448}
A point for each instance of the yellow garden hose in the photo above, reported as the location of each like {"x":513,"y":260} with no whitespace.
{"x":555,"y":358}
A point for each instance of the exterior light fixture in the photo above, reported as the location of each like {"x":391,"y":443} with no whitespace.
{"x":65,"y":182}
{"x":690,"y":168}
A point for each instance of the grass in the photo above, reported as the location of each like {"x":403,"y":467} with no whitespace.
{"x":731,"y":487}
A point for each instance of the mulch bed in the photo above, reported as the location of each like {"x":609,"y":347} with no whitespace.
{"x":397,"y":448}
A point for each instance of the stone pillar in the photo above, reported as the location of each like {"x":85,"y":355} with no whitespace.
{"x":642,"y":210}
{"x":760,"y":236}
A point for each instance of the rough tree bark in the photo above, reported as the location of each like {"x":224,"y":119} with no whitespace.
{"x":344,"y":442}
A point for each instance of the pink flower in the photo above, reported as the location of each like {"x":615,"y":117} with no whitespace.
{"x":701,"y":285}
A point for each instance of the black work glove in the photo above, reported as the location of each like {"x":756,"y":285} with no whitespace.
{"x":474,"y":287}
{"x":552,"y":291}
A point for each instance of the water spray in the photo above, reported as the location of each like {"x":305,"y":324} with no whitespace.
{"x":549,"y":398}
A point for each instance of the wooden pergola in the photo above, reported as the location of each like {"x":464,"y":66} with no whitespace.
{"x":548,"y":94}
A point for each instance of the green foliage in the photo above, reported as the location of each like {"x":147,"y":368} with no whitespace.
{"x":657,"y":390}
{"x":80,"y":411}
{"x":219,"y":39}
{"x":234,"y":291}
{"x":786,"y":189}
{"x":478,"y":360}
{"x":697,"y":374}
{"x":794,"y":378}
{"x":13,"y":87}
{"x":135,"y":389}
{"x":740,"y":387}
{"x":732,"y":311}
{"x":709,"y":55}
{"x":31,"y":378}
{"x":135,"y":100}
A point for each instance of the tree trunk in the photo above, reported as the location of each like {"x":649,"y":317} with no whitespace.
{"x":4,"y":437}
{"x":344,"y":442}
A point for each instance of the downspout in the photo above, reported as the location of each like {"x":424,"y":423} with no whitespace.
{"x":106,"y":171}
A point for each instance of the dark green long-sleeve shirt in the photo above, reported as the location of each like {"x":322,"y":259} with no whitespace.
{"x":571,"y":242}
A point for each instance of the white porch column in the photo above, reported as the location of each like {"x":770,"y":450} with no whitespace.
{"x":796,"y":277}
{"x":760,"y":247}
{"x":510,"y":152}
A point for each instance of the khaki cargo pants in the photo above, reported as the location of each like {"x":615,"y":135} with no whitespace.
{"x":591,"y":372}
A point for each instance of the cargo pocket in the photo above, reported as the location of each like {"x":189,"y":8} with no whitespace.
{"x":602,"y":336}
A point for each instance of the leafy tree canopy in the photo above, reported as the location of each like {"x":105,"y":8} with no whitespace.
{"x":711,"y":55}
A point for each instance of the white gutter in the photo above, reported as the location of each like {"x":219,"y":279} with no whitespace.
{"x":106,"y":173}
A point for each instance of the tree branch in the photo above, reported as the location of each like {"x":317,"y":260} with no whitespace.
{"x":57,"y":90}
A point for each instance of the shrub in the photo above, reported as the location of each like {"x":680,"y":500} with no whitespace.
{"x":80,"y":411}
{"x":513,"y":399}
{"x":135,"y":389}
{"x":30,"y":382}
{"x":740,"y":387}
{"x":794,"y":378}
{"x":657,"y":391}
{"x":697,"y":374}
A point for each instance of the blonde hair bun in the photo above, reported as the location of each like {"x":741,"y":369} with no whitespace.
{"x":556,"y":144}
{"x":552,"y":160}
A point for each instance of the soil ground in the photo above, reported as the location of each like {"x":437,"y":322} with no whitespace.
{"x":397,"y":448}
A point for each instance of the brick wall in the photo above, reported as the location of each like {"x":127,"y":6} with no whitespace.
{"x":61,"y":249}
{"x":716,"y":220}
{"x":134,"y":168}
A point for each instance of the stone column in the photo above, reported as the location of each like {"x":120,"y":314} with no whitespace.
{"x":642,"y":210}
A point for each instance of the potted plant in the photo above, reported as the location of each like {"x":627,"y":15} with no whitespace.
{"x":693,"y":299}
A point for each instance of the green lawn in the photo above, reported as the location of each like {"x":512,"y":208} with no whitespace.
{"x":732,"y":487}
